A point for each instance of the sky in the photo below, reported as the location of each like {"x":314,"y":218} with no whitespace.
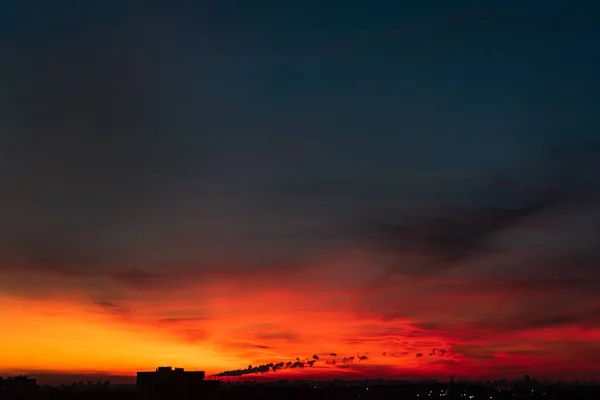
{"x":358,"y":189}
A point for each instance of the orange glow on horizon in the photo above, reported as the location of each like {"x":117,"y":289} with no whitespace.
{"x":227,"y":331}
{"x":58,"y":336}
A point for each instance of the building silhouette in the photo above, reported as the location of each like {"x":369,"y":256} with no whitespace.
{"x":17,"y":387}
{"x":176,"y":384}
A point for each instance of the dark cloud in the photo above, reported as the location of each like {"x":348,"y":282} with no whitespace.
{"x":448,"y":235}
{"x":531,"y":320}
{"x":182,"y":320}
{"x":113,"y":308}
{"x":550,"y":321}
{"x":451,"y":239}
{"x":395,"y":354}
{"x":274,"y":335}
{"x":88,"y":265}
{"x":539,"y":317}
{"x":574,"y":266}
{"x":437,"y":352}
{"x":107,"y":304}
{"x":418,"y":355}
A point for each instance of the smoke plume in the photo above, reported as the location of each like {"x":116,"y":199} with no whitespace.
{"x":270,"y":367}
{"x":298,"y":363}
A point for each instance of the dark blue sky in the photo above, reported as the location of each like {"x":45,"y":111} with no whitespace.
{"x":269,"y":131}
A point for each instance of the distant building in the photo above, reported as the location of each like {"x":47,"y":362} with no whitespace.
{"x":176,"y":384}
{"x":17,"y":387}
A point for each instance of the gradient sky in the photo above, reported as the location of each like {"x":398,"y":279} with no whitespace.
{"x":227,"y":184}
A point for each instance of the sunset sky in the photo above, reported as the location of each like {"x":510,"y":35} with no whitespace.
{"x":220,"y":185}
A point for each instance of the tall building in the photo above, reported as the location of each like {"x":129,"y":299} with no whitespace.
{"x":176,"y":384}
